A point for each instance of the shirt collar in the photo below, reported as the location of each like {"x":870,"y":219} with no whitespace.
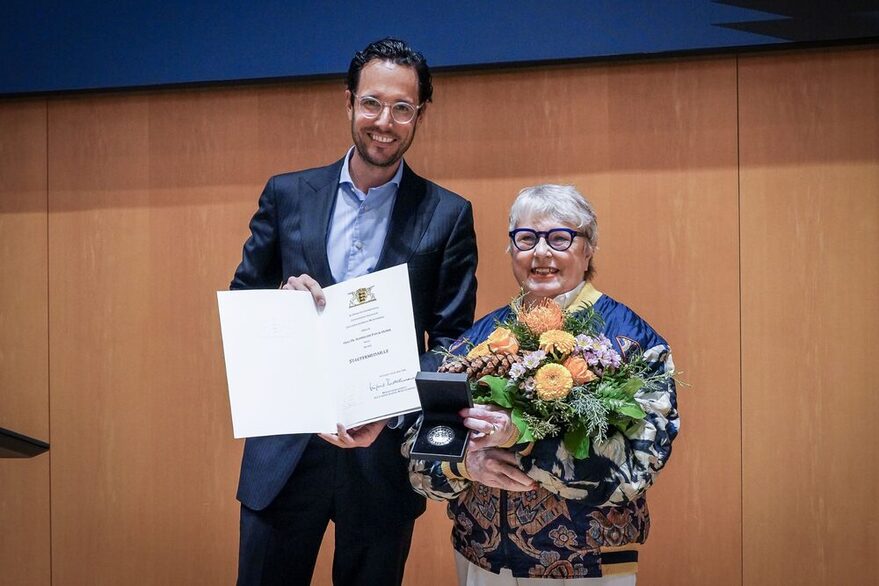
{"x":345,"y":175}
{"x":582,"y":295}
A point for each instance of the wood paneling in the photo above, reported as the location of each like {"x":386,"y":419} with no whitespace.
{"x":810,"y":243}
{"x":24,"y":343}
{"x":150,"y":199}
{"x":24,"y":387}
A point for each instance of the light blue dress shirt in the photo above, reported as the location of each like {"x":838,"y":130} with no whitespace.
{"x":359,"y":225}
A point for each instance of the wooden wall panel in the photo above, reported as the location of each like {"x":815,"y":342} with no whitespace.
{"x":24,"y":343}
{"x":24,"y":388}
{"x":150,"y":196}
{"x":654,"y":147}
{"x":810,"y":243}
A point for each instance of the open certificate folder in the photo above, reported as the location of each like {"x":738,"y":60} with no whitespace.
{"x":293,"y":369}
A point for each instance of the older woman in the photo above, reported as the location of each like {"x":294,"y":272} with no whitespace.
{"x":526,"y":513}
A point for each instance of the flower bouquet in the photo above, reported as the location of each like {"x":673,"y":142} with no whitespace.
{"x":557,"y":375}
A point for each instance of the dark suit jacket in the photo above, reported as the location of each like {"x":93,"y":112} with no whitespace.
{"x":431,"y":229}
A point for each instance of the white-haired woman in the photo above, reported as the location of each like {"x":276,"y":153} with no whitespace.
{"x":524,"y":514}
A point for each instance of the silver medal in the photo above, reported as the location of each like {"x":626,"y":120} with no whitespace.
{"x":440,"y":435}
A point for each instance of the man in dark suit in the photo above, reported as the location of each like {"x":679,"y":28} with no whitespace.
{"x":313,"y":228}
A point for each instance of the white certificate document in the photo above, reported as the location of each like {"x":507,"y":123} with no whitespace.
{"x":293,"y":369}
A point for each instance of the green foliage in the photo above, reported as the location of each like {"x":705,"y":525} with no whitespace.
{"x":525,"y":433}
{"x":499,"y":392}
{"x":583,"y":321}
{"x":591,"y":413}
{"x":631,"y":386}
{"x":540,"y":428}
{"x":631,"y":410}
{"x":577,"y":441}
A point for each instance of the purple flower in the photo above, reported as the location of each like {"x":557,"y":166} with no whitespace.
{"x":610,"y":358}
{"x":517,"y":370}
{"x":532,"y":359}
{"x":604,"y":343}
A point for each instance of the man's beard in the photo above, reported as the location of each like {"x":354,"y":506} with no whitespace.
{"x":363,"y":152}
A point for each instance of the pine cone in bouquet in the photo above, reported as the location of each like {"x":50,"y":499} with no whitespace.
{"x":454,"y":364}
{"x":476,"y":368}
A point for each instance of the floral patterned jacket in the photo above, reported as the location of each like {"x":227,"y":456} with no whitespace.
{"x":580,"y":506}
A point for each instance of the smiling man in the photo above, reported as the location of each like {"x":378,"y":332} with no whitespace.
{"x":366,"y":212}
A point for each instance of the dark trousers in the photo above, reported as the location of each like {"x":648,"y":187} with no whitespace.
{"x":280,"y":544}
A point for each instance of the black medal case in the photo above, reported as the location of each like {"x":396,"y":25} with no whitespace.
{"x":442,"y":435}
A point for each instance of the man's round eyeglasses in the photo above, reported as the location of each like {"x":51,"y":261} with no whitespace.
{"x":559,"y":239}
{"x":401,"y":112}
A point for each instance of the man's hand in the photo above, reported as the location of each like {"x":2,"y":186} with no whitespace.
{"x":357,"y":437}
{"x":498,"y":469}
{"x":492,"y":423}
{"x":305,"y":283}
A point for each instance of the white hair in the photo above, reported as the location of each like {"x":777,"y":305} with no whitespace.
{"x":559,"y":202}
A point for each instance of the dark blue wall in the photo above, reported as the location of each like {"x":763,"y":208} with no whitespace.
{"x":74,"y":45}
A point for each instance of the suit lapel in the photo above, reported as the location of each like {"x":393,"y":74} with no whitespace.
{"x":409,"y":219}
{"x":316,"y":201}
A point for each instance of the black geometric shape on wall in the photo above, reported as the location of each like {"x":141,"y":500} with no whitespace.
{"x":804,"y":21}
{"x":16,"y":445}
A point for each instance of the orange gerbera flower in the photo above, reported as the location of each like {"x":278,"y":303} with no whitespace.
{"x":553,"y":381}
{"x":543,"y":316}
{"x":557,"y":342}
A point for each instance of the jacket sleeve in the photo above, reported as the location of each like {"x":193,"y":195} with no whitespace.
{"x":442,"y":480}
{"x":435,"y":480}
{"x":260,"y":266}
{"x":621,"y":468}
{"x":455,"y":299}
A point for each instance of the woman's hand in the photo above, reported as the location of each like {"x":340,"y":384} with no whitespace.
{"x":498,"y":469}
{"x":492,"y":423}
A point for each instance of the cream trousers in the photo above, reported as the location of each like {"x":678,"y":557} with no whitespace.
{"x":472,"y":575}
